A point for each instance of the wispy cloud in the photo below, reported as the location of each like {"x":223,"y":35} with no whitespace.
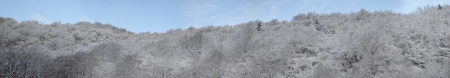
{"x":51,"y":8}
{"x":442,"y":2}
{"x":197,"y":12}
{"x":83,"y":18}
{"x":200,"y":9}
{"x":410,"y":6}
{"x":39,"y":17}
{"x":231,"y":12}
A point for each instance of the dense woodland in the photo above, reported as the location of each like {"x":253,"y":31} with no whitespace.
{"x":362,"y":44}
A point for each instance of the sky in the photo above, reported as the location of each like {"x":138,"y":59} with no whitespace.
{"x":162,"y":15}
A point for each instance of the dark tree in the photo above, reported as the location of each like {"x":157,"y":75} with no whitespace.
{"x":439,"y":6}
{"x":259,"y":27}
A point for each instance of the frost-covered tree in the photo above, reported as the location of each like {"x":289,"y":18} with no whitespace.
{"x":360,"y":44}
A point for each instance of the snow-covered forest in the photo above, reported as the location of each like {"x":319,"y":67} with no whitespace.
{"x":362,"y":44}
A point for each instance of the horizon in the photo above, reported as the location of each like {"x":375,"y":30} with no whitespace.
{"x":163,"y":15}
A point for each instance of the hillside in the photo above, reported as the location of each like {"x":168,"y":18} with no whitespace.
{"x":363,"y":44}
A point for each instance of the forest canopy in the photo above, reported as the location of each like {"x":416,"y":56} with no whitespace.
{"x":355,"y":45}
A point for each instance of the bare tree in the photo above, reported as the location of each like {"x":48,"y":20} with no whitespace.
{"x":127,"y":67}
{"x":193,"y":43}
{"x":17,"y":63}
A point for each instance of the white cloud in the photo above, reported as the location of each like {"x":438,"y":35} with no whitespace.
{"x":39,"y":17}
{"x":83,"y":18}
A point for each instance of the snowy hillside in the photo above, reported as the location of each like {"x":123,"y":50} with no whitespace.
{"x":363,"y":44}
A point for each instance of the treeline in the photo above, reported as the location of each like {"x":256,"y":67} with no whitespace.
{"x":356,"y":45}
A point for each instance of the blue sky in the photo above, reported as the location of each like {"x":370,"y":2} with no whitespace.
{"x":162,"y":15}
